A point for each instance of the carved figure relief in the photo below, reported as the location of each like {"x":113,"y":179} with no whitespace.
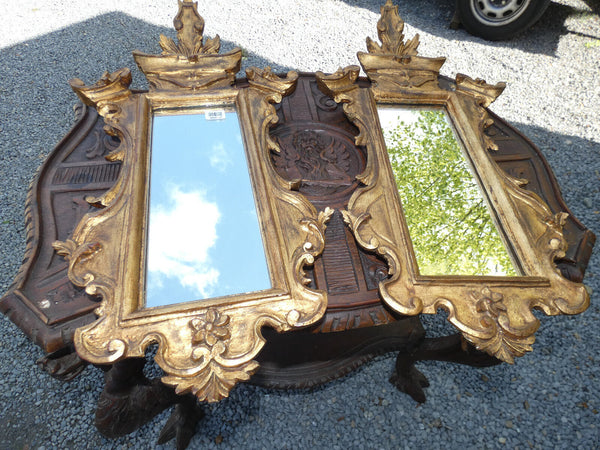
{"x":324,"y":162}
{"x":318,"y":155}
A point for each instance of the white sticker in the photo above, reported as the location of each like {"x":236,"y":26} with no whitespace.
{"x":214,"y":114}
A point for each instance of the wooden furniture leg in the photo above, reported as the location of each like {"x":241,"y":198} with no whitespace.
{"x":451,"y":348}
{"x":129,"y":400}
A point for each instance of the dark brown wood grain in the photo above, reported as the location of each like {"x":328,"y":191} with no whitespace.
{"x":42,"y":301}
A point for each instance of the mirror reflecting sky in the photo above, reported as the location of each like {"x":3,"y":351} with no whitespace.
{"x":448,"y":219}
{"x":204,"y":238}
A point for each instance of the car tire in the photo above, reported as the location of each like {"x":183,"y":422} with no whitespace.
{"x":496,"y":20}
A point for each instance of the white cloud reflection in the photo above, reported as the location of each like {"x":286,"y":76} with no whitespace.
{"x":180,"y":237}
{"x":219,"y":158}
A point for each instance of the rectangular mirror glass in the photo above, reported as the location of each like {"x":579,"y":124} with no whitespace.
{"x":450,"y":225}
{"x":204,"y":236}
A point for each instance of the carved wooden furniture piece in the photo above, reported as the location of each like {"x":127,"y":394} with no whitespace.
{"x":338,"y":248}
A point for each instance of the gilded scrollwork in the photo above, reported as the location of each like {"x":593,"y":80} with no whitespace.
{"x":111,"y":88}
{"x":213,"y":378}
{"x":204,"y":347}
{"x":313,"y":246}
{"x":484,"y":94}
{"x":493,"y":313}
{"x":76,"y":254}
{"x":112,"y":97}
{"x":505,"y":341}
{"x":267,"y":88}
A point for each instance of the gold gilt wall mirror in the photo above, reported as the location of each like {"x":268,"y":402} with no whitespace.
{"x":201,"y":242}
{"x":457,"y":232}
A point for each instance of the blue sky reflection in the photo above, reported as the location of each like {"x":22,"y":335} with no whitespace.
{"x":203,"y":236}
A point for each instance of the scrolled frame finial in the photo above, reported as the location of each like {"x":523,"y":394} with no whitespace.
{"x":395,"y":62}
{"x":190,"y":28}
{"x":192,"y":63}
{"x":390,"y":30}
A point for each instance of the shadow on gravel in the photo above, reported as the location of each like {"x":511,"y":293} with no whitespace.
{"x":434,"y":17}
{"x":86,"y":49}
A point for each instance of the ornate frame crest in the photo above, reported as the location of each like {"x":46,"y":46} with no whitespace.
{"x":204,"y":347}
{"x":493,"y":313}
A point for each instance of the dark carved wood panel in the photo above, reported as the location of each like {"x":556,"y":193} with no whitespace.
{"x":519,"y":157}
{"x":42,"y":301}
{"x":318,"y":153}
{"x":338,"y":271}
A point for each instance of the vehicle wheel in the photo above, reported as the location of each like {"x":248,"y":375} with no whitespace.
{"x":499,"y":19}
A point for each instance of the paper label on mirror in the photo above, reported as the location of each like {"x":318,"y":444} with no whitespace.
{"x":449,"y":222}
{"x":215,"y":114}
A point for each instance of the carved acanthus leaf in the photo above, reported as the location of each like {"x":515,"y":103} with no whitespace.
{"x":313,"y":244}
{"x":190,"y":26}
{"x":65,"y":249}
{"x":355,"y":223}
{"x":77,"y":254}
{"x":192,"y":63}
{"x":390,"y":29}
{"x":502,"y":345}
{"x":504,"y":342}
{"x":214,"y":382}
{"x":198,"y":47}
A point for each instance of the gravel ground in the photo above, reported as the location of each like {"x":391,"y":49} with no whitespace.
{"x":548,"y":399}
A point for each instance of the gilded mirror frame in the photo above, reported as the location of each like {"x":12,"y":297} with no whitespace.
{"x":493,"y":313}
{"x":205,"y":347}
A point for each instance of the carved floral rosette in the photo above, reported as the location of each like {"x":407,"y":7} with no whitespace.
{"x":493,"y":313}
{"x":204,"y":347}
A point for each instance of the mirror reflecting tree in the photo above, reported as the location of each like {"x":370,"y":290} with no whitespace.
{"x":204,"y":236}
{"x":449,"y":222}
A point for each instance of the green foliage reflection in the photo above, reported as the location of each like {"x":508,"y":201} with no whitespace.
{"x":448,"y":220}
